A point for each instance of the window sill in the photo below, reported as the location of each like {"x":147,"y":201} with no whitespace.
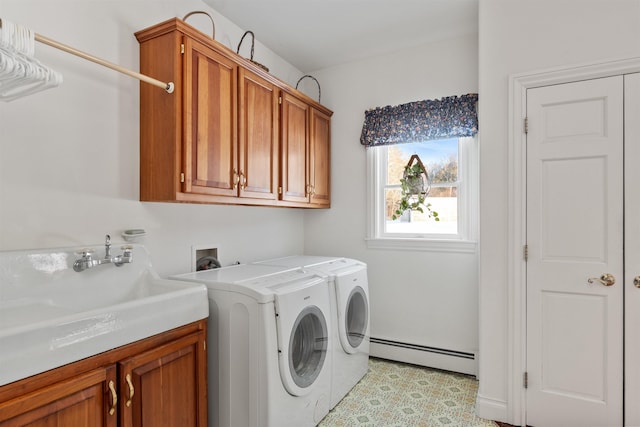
{"x":428,"y":245}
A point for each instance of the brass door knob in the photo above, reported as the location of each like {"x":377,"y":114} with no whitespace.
{"x":636,"y":281}
{"x":606,"y":279}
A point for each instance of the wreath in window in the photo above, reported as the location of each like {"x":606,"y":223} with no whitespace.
{"x":415,"y":185}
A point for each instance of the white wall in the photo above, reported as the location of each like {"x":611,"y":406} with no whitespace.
{"x":518,"y":37}
{"x":69,"y":156}
{"x":424,"y":298}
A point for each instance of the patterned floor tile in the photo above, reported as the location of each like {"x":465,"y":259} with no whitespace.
{"x":395,"y":394}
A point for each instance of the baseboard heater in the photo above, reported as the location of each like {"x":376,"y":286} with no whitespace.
{"x":440,"y":358}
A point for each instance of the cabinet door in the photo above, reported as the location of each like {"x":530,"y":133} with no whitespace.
{"x":166,"y":386}
{"x":320,"y":158}
{"x":210,"y":121}
{"x":85,"y":400}
{"x":258,"y":135}
{"x":294,"y":154}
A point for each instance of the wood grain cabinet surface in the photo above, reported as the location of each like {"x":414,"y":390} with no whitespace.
{"x":158,"y":381}
{"x":305,"y":152}
{"x":230,"y":133}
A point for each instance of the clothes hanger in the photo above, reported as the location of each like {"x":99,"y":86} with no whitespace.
{"x":20,"y":73}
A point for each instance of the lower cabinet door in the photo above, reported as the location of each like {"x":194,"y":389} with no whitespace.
{"x":165,"y":386}
{"x":89,"y":399}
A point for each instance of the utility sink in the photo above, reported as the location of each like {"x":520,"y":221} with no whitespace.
{"x":51,"y":315}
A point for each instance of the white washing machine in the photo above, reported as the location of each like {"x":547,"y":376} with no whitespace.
{"x":349,"y":290}
{"x":269,"y":346}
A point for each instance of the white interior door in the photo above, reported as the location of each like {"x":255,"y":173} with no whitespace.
{"x":632,"y":249}
{"x":575,"y":232}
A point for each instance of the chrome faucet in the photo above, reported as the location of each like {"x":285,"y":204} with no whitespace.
{"x":86,"y":260}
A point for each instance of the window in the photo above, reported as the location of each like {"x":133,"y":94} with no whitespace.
{"x":452,"y":167}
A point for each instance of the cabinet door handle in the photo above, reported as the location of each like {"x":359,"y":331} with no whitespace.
{"x":236,"y":179}
{"x":114,"y":398}
{"x":131,"y":390}
{"x":243,"y":181}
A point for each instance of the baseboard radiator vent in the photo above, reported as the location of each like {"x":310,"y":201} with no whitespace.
{"x":433,"y":357}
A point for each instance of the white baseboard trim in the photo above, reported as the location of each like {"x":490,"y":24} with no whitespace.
{"x":448,"y":360}
{"x":491,"y":409}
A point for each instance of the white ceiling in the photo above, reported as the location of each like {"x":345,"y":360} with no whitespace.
{"x":315,"y":34}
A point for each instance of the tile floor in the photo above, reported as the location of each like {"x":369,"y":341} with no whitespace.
{"x":402,"y":395}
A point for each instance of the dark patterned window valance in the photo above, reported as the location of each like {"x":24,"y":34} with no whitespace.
{"x":450,"y":117}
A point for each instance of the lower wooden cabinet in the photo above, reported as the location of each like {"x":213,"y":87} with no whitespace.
{"x":78,"y":401}
{"x":159,"y":381}
{"x":160,"y":387}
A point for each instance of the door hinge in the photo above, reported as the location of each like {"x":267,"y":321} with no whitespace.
{"x":525,"y":252}
{"x":525,"y":380}
{"x":182,"y":177}
{"x":204,"y":345}
{"x":526,"y":125}
{"x":279,"y":190}
{"x":182,"y":48}
{"x":280,"y":100}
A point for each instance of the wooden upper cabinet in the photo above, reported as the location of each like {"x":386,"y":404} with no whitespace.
{"x":295,"y":145}
{"x":320,"y":157}
{"x":258,"y":147}
{"x":306,"y":153}
{"x":210,"y":121}
{"x":222,"y":137}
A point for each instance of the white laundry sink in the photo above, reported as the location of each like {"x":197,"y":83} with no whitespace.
{"x":51,"y":315}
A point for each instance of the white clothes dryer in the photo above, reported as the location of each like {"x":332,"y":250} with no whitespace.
{"x":349,"y":289}
{"x":269,"y":346}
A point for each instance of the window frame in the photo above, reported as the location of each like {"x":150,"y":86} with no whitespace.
{"x":464,"y":241}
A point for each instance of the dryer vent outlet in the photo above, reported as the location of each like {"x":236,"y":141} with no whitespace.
{"x":205,"y":259}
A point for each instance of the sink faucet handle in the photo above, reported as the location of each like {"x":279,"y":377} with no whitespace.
{"x":84,"y":253}
{"x":126,"y":256}
{"x":127,"y":251}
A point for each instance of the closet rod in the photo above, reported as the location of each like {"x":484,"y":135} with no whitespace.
{"x":166,"y":86}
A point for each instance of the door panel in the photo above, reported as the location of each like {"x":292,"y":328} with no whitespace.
{"x":574,"y":232}
{"x":583,"y":352}
{"x":632,"y":249}
{"x":586,"y":179}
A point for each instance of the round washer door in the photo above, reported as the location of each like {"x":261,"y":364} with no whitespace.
{"x":307,"y":350}
{"x":356,"y":318}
